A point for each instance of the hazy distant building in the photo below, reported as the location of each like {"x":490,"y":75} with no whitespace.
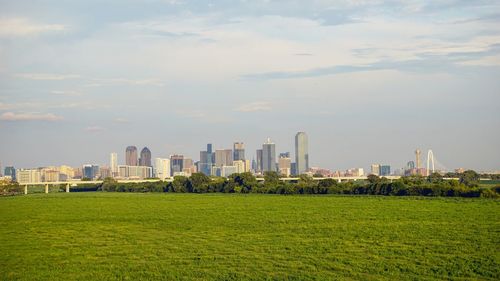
{"x":131,"y":156}
{"x":259,"y":161}
{"x":28,"y":176}
{"x":385,"y":170}
{"x":285,"y":164}
{"x":162,"y":168}
{"x":238,"y":151}
{"x":375,"y":169}
{"x":113,"y":164}
{"x":10,"y":171}
{"x":223,"y":157}
{"x":268,"y":156}
{"x":135,"y":172}
{"x":176,"y":163}
{"x":242,"y":166}
{"x":145,"y":159}
{"x":301,"y":152}
{"x":226,"y":171}
{"x":90,"y":171}
{"x":206,"y":160}
{"x":293,"y":169}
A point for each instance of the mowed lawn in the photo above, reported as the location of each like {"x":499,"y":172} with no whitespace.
{"x":124,"y":236}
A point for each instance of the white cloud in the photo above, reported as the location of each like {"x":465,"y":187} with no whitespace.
{"x":25,"y":27}
{"x":46,"y":76}
{"x":11,"y":116}
{"x":255,"y":106}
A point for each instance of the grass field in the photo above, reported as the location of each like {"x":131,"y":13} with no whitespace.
{"x":124,"y":236}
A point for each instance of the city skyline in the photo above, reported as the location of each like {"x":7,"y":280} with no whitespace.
{"x":370,"y":80}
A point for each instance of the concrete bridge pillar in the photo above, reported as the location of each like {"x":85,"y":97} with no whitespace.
{"x":67,"y":187}
{"x":26,"y":189}
{"x":339,"y":180}
{"x":46,"y":188}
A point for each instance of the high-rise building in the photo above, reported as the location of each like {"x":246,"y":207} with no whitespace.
{"x":223,"y":157}
{"x":239,"y":151}
{"x":259,"y":161}
{"x":113,"y":164}
{"x":131,"y":156}
{"x":375,"y":169}
{"x":417,"y":156}
{"x":206,"y":160}
{"x":301,"y":152}
{"x":385,"y":170}
{"x":268,"y":156}
{"x":162,"y":168}
{"x":145,"y":159}
{"x":90,"y":171}
{"x":11,"y":172}
{"x":176,"y":163}
{"x":285,"y":164}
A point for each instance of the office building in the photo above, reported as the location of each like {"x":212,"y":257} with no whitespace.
{"x":375,"y":169}
{"x":223,"y":157}
{"x":259,"y":161}
{"x":301,"y":152}
{"x":135,"y":172}
{"x":28,"y":176}
{"x":206,"y":160}
{"x":162,"y":168}
{"x":90,"y":171}
{"x":238,"y":151}
{"x":385,"y":170}
{"x":268,"y":156}
{"x":131,"y":156}
{"x":11,"y":172}
{"x":113,"y":164}
{"x":176,"y":163}
{"x":145,"y":159}
{"x":285,"y":164}
{"x":226,"y":171}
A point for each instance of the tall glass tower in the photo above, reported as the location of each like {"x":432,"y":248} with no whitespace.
{"x":301,"y":152}
{"x":268,"y":156}
{"x":131,"y":156}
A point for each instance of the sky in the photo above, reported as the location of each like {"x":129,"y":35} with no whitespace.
{"x":369,"y":81}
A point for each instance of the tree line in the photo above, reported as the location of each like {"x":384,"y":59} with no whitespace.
{"x":467,"y":185}
{"x":433,"y":185}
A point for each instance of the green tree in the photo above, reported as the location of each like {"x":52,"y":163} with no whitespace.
{"x":373,"y":178}
{"x":435,"y":178}
{"x":180,"y":184}
{"x":470,"y":178}
{"x":271,"y":178}
{"x":198,"y":182}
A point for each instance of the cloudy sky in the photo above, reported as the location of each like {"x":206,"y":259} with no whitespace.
{"x":368,"y":80}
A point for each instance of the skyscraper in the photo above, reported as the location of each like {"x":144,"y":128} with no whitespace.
{"x":223,"y":157}
{"x":385,"y":170}
{"x":268,"y":156}
{"x":176,"y":163}
{"x":238,"y":151}
{"x":284,"y":164}
{"x":301,"y":152}
{"x":259,"y":160}
{"x":113,"y":164}
{"x":417,"y":156}
{"x":131,"y":156}
{"x":206,"y":160}
{"x":145,"y":159}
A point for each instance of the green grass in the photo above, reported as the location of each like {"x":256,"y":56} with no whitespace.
{"x":124,"y":236}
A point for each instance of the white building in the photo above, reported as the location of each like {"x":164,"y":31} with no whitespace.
{"x":162,"y":168}
{"x":28,"y":176}
{"x":113,"y":164}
